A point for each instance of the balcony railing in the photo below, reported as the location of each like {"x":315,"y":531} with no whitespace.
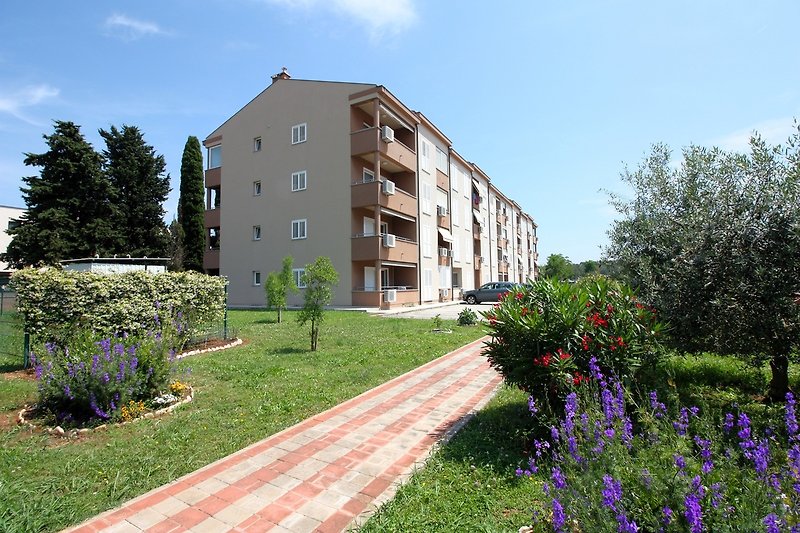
{"x":211,"y":259}
{"x":369,"y":140}
{"x":365,"y":194}
{"x":375,"y":298}
{"x":211,"y":218}
{"x":214,"y":177}
{"x":370,"y":248}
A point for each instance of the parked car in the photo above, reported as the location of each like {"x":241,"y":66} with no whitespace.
{"x":488,"y":292}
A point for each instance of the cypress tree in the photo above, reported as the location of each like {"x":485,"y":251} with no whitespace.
{"x":140,"y":187}
{"x":69,"y":211}
{"x":192,"y":205}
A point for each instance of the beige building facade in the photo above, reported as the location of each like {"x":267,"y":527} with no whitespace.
{"x":9,"y":217}
{"x":346,"y":170}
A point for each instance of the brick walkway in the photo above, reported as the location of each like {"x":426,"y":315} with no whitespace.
{"x":327,"y":473}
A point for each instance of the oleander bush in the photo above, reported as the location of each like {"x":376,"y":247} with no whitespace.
{"x":607,"y":467}
{"x":543,"y":335}
{"x":55,"y":302}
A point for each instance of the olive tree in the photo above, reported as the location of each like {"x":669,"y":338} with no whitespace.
{"x":714,"y":244}
{"x":319,"y":278}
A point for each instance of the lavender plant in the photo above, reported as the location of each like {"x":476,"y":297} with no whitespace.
{"x":672,"y":473}
{"x":92,"y":378}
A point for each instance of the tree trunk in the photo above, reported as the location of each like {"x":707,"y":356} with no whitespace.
{"x":779,"y":384}
{"x":314,"y":335}
{"x":279,"y":314}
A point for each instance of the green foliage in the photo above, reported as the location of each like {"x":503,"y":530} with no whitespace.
{"x":544,"y":335}
{"x":93,"y":378}
{"x":175,"y":247}
{"x":140,"y":188}
{"x":715,"y":246}
{"x":557,"y":267}
{"x":320,"y":277}
{"x":279,"y":284}
{"x":56,"y":303}
{"x":192,"y":205}
{"x":437,"y":322}
{"x":467,"y":317}
{"x":68,"y":206}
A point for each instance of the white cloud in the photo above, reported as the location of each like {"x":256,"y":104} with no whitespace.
{"x":14,"y":103}
{"x":775,"y":131}
{"x":130,"y":29}
{"x":379,"y":16}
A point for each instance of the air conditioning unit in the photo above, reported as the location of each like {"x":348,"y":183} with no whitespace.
{"x":444,"y":252}
{"x":388,"y":187}
{"x":441,"y":210}
{"x":483,"y":260}
{"x":387,"y":134}
{"x":390,"y":296}
{"x":389,"y":240}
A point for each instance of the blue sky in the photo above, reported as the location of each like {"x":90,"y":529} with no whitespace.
{"x":551,"y":99}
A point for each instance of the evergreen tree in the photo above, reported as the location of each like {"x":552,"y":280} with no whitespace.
{"x":140,"y":188}
{"x":192,"y":205}
{"x":175,"y":252}
{"x":69,"y":212}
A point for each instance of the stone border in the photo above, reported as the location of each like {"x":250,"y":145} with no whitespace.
{"x":234,"y":342}
{"x":61,"y":432}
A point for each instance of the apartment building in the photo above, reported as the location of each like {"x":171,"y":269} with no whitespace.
{"x":346,"y":170}
{"x":9,"y":217}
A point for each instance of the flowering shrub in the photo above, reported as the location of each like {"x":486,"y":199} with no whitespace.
{"x":686,"y":473}
{"x":94,"y":379}
{"x":544,"y":335}
{"x":54,"y":301}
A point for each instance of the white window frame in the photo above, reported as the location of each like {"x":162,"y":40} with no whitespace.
{"x":441,"y":161}
{"x":297,"y":225}
{"x":257,"y":144}
{"x":256,"y":233}
{"x":454,"y":212}
{"x":425,"y":155}
{"x":256,"y":278}
{"x":427,"y":249}
{"x":296,"y":180}
{"x":367,"y":176}
{"x":297,"y":275}
{"x":218,"y":163}
{"x":257,"y":188}
{"x":300,"y":133}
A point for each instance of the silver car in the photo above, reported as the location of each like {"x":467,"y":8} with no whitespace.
{"x":488,"y":292}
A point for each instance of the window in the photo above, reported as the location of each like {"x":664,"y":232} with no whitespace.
{"x":427,"y":192}
{"x":425,"y":155}
{"x":426,"y":241}
{"x":215,"y":156}
{"x":299,"y":229}
{"x":299,"y":181}
{"x":257,"y":188}
{"x":256,"y":278}
{"x":441,"y":161}
{"x":257,"y":144}
{"x":454,"y":177}
{"x":454,"y":212}
{"x":297,"y":274}
{"x":256,"y":233}
{"x":368,"y":176}
{"x":299,"y":133}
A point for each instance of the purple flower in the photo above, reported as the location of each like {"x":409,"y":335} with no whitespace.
{"x":679,"y":461}
{"x":667,"y":515}
{"x":647,"y":478}
{"x":559,"y":518}
{"x":68,"y":392}
{"x":659,"y":409}
{"x":761,"y":457}
{"x":558,"y":478}
{"x":119,"y":349}
{"x":39,"y":370}
{"x":693,"y":512}
{"x":791,"y":419}
{"x":716,"y":495}
{"x":612,"y":492}
{"x":772,"y":523}
{"x":106,"y":378}
{"x":134,"y":363}
{"x":50,"y":347}
{"x":705,"y":453}
{"x":554,"y":433}
{"x":595,"y":369}
{"x":682,"y":423}
{"x":532,"y":406}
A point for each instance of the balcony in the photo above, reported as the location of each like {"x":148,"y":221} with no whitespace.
{"x":443,"y":221}
{"x":405,"y":296}
{"x":369,"y":140}
{"x":211,"y":218}
{"x":365,"y":194}
{"x":502,"y":267}
{"x":442,"y":180}
{"x":211,"y":259}
{"x":214,"y":177}
{"x":370,"y":248}
{"x":502,"y":243}
{"x":502,"y":219}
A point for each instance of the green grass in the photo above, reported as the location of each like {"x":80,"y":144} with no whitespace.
{"x":241,"y":396}
{"x":469,"y":484}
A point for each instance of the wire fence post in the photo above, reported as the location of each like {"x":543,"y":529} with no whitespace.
{"x":26,"y":350}
{"x":225,"y":313}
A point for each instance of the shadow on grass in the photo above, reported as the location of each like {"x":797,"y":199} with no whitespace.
{"x":496,"y":437}
{"x":268,"y":321}
{"x":291,"y":350}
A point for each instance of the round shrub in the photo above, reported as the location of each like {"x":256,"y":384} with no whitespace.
{"x":543,"y":335}
{"x":467,"y":317}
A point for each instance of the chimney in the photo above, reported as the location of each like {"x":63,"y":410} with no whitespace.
{"x":282,"y":75}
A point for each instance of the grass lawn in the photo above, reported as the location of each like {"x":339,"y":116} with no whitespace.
{"x":241,"y":396}
{"x":470,"y":485}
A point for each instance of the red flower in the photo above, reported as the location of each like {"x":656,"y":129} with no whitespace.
{"x":585,"y":342}
{"x":610,"y":308}
{"x":524,"y":311}
{"x":578,"y":378}
{"x":562,"y":354}
{"x":519,"y":296}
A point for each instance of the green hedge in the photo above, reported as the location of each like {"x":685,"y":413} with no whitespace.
{"x":51,"y":300}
